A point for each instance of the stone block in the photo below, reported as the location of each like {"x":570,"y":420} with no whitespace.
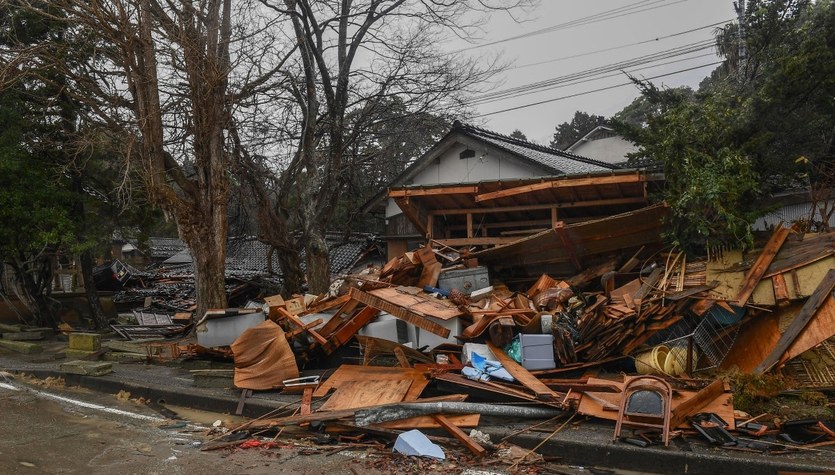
{"x":77,"y":354}
{"x":85,"y":341}
{"x":87,"y":368}
{"x":10,"y":328}
{"x":23,"y":336}
{"x":119,"y":356}
{"x":22,"y":346}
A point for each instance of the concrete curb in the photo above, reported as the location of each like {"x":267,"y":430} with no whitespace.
{"x":595,"y":451}
{"x":599,"y":453}
{"x":192,"y":399}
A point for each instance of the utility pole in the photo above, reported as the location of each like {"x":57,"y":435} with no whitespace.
{"x":740,"y":31}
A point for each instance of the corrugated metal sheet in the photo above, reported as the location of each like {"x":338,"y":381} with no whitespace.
{"x":789,"y":214}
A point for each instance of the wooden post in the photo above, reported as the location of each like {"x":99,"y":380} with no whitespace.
{"x":554,"y":217}
{"x":469,"y":225}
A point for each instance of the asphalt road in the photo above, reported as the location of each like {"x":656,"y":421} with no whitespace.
{"x":42,"y":434}
{"x":56,"y":430}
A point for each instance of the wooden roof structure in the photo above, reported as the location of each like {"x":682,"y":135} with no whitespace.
{"x":492,"y":213}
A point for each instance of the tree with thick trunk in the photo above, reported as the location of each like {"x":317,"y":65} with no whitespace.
{"x":158,"y":83}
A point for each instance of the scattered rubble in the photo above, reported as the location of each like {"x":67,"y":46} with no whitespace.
{"x":438,"y":339}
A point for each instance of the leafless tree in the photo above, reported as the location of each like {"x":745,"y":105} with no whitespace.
{"x":349,"y":58}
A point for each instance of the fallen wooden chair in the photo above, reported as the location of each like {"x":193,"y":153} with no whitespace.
{"x":646,"y":402}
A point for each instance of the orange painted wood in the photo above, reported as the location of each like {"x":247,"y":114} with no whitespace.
{"x":561,"y":183}
{"x":348,"y":373}
{"x":349,"y":328}
{"x":355,"y":394}
{"x":697,"y":402}
{"x":800,"y":322}
{"x":757,"y":271}
{"x":429,"y":422}
{"x":781,"y":291}
{"x":453,"y":430}
{"x":821,"y":328}
{"x":301,"y":325}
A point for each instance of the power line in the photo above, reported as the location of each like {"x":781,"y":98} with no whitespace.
{"x":583,"y":81}
{"x":614,"y":13}
{"x":524,"y":106}
{"x":621,"y":46}
{"x":629,"y":63}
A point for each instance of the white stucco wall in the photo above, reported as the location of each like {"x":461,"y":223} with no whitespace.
{"x":609,"y":149}
{"x":450,"y":169}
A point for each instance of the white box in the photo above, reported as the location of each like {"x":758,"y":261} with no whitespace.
{"x":431,"y":340}
{"x":387,"y":327}
{"x":223,"y":330}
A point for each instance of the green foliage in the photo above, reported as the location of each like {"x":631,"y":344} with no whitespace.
{"x":519,"y":135}
{"x":750,"y":390}
{"x":33,"y":204}
{"x":569,"y":132}
{"x":741,"y":136}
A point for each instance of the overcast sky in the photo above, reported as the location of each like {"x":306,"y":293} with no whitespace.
{"x":583,"y":35}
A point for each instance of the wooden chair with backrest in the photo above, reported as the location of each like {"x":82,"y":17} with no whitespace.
{"x":646,"y":402}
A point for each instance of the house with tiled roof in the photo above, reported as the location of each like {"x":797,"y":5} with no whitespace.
{"x":247,"y":256}
{"x":604,"y":144}
{"x":468,"y":155}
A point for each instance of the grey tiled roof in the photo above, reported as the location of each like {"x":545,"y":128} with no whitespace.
{"x":558,"y":161}
{"x":163,"y":247}
{"x":248,"y":256}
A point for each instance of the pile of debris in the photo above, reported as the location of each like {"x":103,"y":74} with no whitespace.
{"x":641,"y":336}
{"x":645,"y":342}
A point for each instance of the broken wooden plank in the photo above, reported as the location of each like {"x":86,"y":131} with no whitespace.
{"x":327,"y":305}
{"x":755,"y":274}
{"x":348,"y":329}
{"x":522,"y":375}
{"x":781,"y":291}
{"x":696,"y":402}
{"x":355,"y":394}
{"x":384,"y":299}
{"x":301,"y":325}
{"x":820,"y":329}
{"x":429,"y":422}
{"x":347,"y":373}
{"x":468,"y":442}
{"x":808,"y":311}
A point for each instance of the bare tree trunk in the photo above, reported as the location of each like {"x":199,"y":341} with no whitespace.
{"x":96,"y":313}
{"x":318,"y":264}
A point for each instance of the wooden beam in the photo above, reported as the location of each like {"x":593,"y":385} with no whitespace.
{"x":522,"y":375}
{"x":349,"y":328}
{"x":561,"y":183}
{"x":477,"y":241}
{"x":569,"y":245}
{"x":301,"y":325}
{"x":449,"y":190}
{"x":696,"y":402}
{"x":506,"y":224}
{"x":416,"y":214}
{"x":469,"y":225}
{"x":402,"y":313}
{"x":549,"y":206}
{"x":800,"y":321}
{"x":448,"y":426}
{"x":755,"y":274}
